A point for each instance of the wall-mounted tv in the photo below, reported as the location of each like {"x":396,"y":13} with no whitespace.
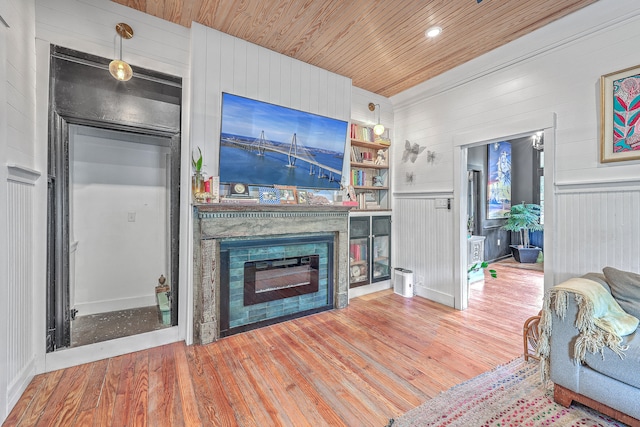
{"x":267,"y":144}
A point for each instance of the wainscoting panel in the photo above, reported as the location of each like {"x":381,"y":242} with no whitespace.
{"x":596,"y":227}
{"x":20,"y":245}
{"x":423,"y":243}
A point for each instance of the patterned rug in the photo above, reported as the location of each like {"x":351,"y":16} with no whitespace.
{"x":510,"y":395}
{"x":510,"y":262}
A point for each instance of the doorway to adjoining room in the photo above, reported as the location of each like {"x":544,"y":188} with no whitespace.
{"x":499,"y":175}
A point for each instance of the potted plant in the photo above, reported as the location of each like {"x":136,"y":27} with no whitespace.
{"x":197,"y":180}
{"x":523,"y":218}
{"x":484,"y":266}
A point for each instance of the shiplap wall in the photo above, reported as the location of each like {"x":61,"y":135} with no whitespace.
{"x":223,"y":63}
{"x":419,"y":229}
{"x":17,"y":115}
{"x":599,"y":227}
{"x":553,"y":70}
{"x":19,"y":322}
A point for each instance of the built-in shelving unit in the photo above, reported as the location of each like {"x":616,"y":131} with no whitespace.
{"x":369,"y":249}
{"x":370,"y":176}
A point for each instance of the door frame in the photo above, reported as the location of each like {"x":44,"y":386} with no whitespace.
{"x":508,"y":128}
{"x":58,"y":315}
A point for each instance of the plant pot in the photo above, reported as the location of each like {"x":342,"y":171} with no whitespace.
{"x":525,"y":255}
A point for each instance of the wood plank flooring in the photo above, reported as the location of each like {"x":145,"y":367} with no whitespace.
{"x":359,"y":366}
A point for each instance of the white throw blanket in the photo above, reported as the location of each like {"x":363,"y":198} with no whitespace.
{"x":600,"y":321}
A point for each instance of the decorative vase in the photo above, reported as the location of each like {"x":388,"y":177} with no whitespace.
{"x":197,"y":183}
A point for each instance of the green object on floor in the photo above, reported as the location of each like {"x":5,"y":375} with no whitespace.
{"x":165,"y":307}
{"x":540,"y":257}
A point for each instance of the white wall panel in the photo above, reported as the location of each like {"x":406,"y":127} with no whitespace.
{"x":421,"y":243}
{"x":17,"y":115}
{"x":19,"y":322}
{"x":597,"y":228}
{"x":89,"y":26}
{"x":241,"y":68}
{"x":552,"y":71}
{"x":112,"y":175}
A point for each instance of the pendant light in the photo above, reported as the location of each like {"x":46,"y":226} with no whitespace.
{"x":119,"y":69}
{"x":379,"y":128}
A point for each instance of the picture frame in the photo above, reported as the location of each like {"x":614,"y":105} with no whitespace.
{"x":288,"y":194}
{"x":320,"y":197}
{"x":269,"y":196}
{"x":238,"y":189}
{"x":498,"y":180}
{"x":303,"y":198}
{"x":620,"y":115}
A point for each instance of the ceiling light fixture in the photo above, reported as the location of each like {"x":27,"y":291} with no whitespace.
{"x":379,"y":128}
{"x":433,"y":32}
{"x":119,"y":69}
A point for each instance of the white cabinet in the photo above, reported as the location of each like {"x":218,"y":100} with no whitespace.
{"x":475,"y":255}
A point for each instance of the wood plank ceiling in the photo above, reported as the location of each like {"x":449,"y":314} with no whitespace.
{"x":379,"y":44}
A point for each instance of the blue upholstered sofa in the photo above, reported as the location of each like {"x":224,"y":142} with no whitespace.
{"x":603,"y":381}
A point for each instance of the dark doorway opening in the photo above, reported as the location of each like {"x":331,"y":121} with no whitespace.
{"x":145,"y":110}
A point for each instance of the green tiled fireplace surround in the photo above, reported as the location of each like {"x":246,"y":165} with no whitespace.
{"x":215,"y":224}
{"x":234,"y":254}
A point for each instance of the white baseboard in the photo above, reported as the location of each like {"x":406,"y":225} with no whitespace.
{"x":436,"y":296}
{"x":65,"y":358}
{"x":94,"y":307}
{"x":369,"y":289}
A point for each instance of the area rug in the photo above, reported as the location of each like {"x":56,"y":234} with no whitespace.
{"x":510,"y":395}
{"x":510,"y":262}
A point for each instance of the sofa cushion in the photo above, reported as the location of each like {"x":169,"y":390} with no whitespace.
{"x":625,"y":369}
{"x":625,"y":288}
{"x":598,"y":277}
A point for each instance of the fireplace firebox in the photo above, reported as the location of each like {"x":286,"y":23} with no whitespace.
{"x":278,"y":278}
{"x":268,"y":280}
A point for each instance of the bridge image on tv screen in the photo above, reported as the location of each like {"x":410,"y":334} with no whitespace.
{"x":267,"y":144}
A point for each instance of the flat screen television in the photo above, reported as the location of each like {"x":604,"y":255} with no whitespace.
{"x":267,"y":144}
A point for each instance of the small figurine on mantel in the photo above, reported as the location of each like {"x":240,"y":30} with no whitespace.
{"x":162,"y":286}
{"x":380,"y":159}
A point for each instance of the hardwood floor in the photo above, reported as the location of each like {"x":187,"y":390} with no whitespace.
{"x":359,"y":366}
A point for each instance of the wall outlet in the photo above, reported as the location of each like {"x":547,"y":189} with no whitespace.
{"x":131,"y":217}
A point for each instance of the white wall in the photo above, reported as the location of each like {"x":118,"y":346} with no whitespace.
{"x":17,"y":177}
{"x":222,"y":63}
{"x":549,"y":76}
{"x":89,"y":26}
{"x":115,"y":175}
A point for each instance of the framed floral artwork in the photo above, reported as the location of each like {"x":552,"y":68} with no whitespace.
{"x":620,"y":115}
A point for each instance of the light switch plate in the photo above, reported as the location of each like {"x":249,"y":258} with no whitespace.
{"x":441,"y":204}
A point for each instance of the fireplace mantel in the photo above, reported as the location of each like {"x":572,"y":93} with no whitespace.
{"x":215,"y":223}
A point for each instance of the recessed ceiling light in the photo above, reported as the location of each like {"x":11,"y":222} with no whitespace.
{"x":433,"y":32}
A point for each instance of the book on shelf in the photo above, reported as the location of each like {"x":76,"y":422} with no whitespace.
{"x":361,"y":133}
{"x":358,"y":252}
